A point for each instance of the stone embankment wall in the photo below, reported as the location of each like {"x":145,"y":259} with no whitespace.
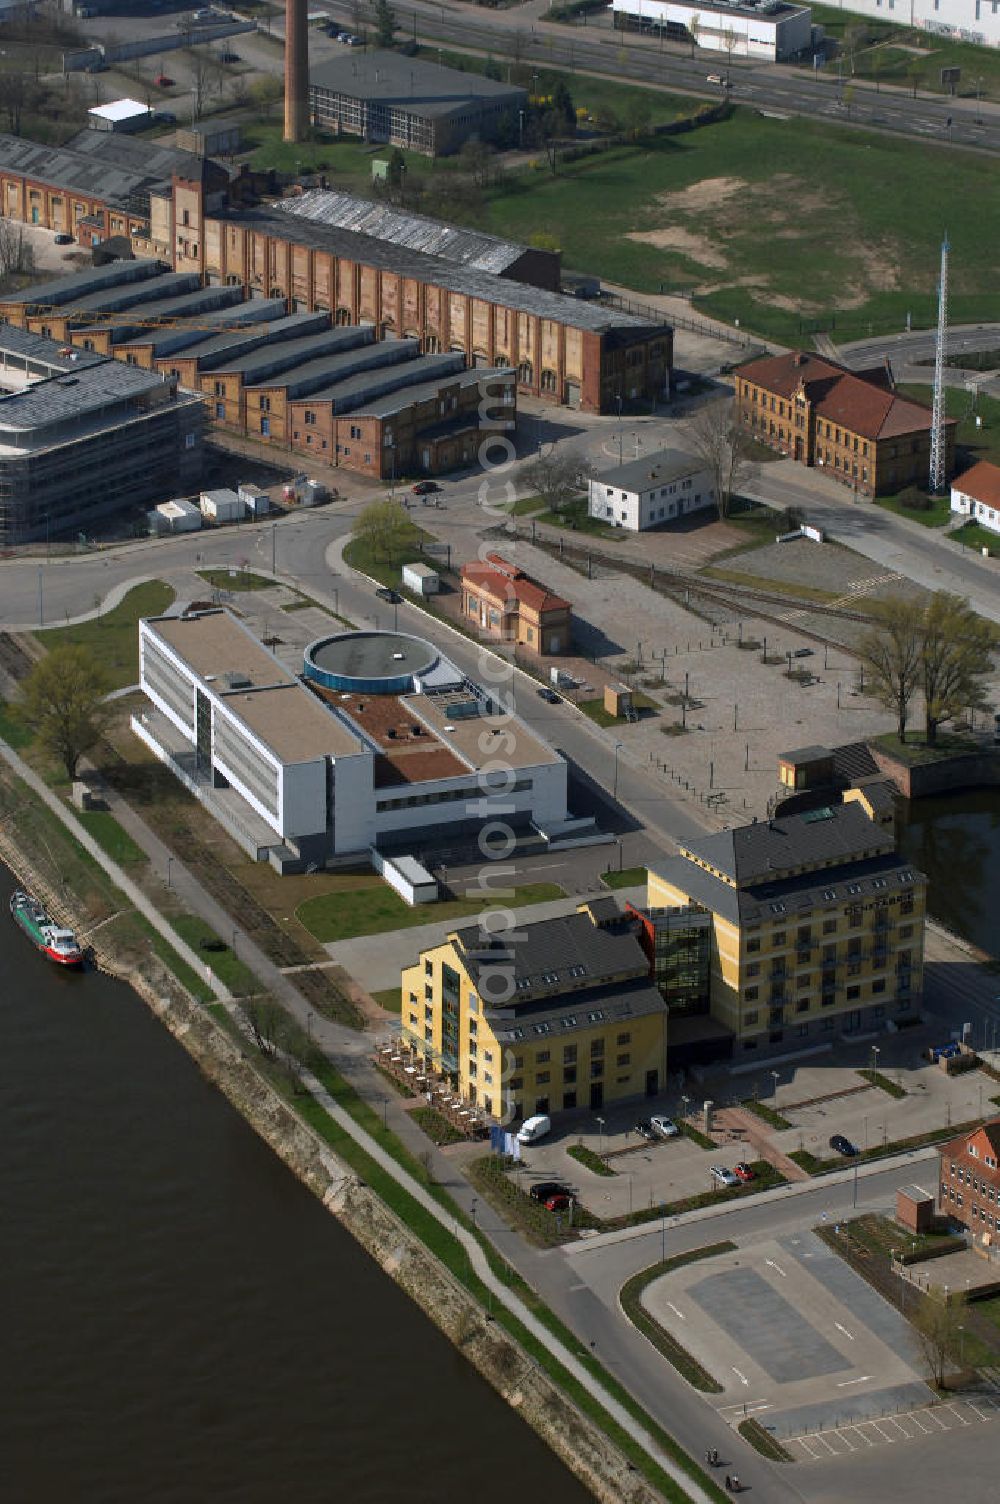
{"x":513,"y":1373}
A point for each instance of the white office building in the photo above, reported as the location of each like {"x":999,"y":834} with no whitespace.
{"x":658,"y":488}
{"x":976,"y":21}
{"x":382,"y":743}
{"x":770,"y":30}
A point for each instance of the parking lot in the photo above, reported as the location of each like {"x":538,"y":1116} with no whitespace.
{"x":791,"y":1332}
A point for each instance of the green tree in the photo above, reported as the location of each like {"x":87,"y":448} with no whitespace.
{"x":385,"y":529}
{"x":385,"y":23}
{"x":956,"y":653}
{"x":891,"y":654}
{"x":63,"y":701}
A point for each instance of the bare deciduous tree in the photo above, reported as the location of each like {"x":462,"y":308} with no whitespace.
{"x":724,"y":446}
{"x":891,"y":653}
{"x":936,"y":1325}
{"x":557,"y":478}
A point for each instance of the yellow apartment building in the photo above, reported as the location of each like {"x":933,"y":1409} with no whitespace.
{"x":817,"y":926}
{"x":560,"y":1015}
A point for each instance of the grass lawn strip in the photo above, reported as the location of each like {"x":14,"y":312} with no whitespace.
{"x":628,"y":877}
{"x":112,"y":640}
{"x":436,"y":1126}
{"x":111,"y":837}
{"x":220,"y":958}
{"x":446,"y":1246}
{"x":630,"y":1299}
{"x":372,"y":908}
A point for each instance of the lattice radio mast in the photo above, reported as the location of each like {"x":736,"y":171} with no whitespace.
{"x":938,"y":454}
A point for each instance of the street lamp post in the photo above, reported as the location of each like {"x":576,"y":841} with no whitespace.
{"x":170,"y":863}
{"x":600,"y":1124}
{"x":274,"y":548}
{"x":663,"y":1232}
{"x":875,"y":1054}
{"x":774,"y":1078}
{"x":618,"y":747}
{"x":392,"y":481}
{"x":41,"y":599}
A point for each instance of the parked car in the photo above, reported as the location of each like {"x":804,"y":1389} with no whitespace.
{"x":744,"y":1173}
{"x":353,"y":41}
{"x":548,"y":695}
{"x":425,"y":487}
{"x":559,"y":1203}
{"x":843,"y":1146}
{"x":392,"y":596}
{"x":163,"y":82}
{"x":63,"y":239}
{"x":546,"y":1188}
{"x":645,"y":1129}
{"x":665,"y":1127}
{"x":722,"y":1176}
{"x":534,"y":1128}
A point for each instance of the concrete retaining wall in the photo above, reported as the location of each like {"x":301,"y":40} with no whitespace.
{"x":76,"y":62}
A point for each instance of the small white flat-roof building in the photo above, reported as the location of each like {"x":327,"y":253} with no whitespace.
{"x":658,"y":488}
{"x":222,"y":505}
{"x":177,"y":516}
{"x":119,"y":115}
{"x":421,"y":579}
{"x":976,"y":495}
{"x":771,"y":30}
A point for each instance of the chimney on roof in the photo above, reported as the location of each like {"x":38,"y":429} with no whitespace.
{"x":890,"y":378}
{"x":798,"y":359}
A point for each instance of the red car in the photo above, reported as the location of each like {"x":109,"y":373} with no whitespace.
{"x":743,"y":1172}
{"x":163,"y":82}
{"x":559,"y":1203}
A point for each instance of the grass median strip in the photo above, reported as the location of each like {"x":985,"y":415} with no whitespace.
{"x":891,"y":1088}
{"x":762,"y":1441}
{"x":589,"y":1159}
{"x":769,"y":1115}
{"x":667,"y":1345}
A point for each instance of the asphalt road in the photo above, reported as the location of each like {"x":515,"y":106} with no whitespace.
{"x":782,"y":89}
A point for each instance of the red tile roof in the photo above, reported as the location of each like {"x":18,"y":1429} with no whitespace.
{"x":981,"y":482}
{"x":858,"y":401}
{"x":957,"y":1145}
{"x":501,"y":579}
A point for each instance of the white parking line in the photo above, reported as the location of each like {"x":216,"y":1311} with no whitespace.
{"x":959,"y":1417}
{"x":893,"y":1420}
{"x":875,"y":1425}
{"x":861,"y":1435}
{"x":679,"y":1314}
{"x":807,"y":1447}
{"x":935,"y":1416}
{"x":918,"y":1422}
{"x":975,"y":1408}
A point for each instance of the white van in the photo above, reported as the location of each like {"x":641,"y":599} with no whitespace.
{"x":532,"y":1129}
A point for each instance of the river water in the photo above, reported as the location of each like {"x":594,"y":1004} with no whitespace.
{"x":183,"y":1321}
{"x":956,"y":840}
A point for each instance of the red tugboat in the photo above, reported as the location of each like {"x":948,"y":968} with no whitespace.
{"x":59,"y":944}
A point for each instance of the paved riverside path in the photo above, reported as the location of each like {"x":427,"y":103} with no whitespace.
{"x":121,"y":880}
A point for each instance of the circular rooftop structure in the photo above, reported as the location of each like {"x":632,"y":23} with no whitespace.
{"x":377,"y":663}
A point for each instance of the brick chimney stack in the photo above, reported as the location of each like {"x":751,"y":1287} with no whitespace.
{"x":296,"y":70}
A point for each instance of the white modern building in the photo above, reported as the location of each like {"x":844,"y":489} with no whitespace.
{"x":381,"y":743}
{"x":771,"y":30}
{"x":976,"y":495}
{"x":655,"y":489}
{"x":976,"y":21}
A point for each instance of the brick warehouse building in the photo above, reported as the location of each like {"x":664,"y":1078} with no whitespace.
{"x":970,"y":1181}
{"x":853,"y":424}
{"x":565,"y":351}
